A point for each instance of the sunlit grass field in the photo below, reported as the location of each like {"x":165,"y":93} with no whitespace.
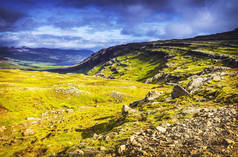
{"x":50,"y":114}
{"x":51,"y":104}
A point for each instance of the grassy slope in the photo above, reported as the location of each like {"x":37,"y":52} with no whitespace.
{"x":140,"y":66}
{"x":135,"y":66}
{"x":72,"y":107}
{"x":35,"y":94}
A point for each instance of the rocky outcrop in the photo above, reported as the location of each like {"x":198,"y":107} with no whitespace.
{"x":152,"y":95}
{"x":231,"y":62}
{"x":212,"y":132}
{"x":212,"y":69}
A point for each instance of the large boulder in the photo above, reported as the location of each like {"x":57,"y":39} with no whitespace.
{"x":179,"y":91}
{"x":152,"y":95}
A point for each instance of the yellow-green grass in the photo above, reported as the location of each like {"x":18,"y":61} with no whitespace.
{"x":66,"y":105}
{"x":140,"y":65}
{"x":136,"y":66}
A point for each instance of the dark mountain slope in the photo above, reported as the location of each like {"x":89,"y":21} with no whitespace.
{"x":102,"y":56}
{"x":231,"y":35}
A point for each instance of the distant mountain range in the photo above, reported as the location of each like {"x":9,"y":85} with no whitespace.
{"x":55,"y":57}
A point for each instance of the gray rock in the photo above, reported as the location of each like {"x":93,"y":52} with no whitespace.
{"x":107,"y":138}
{"x":77,"y":152}
{"x":149,"y":80}
{"x":190,"y":136}
{"x":179,"y":91}
{"x":135,"y":143}
{"x":102,"y":148}
{"x":168,"y":99}
{"x":95,"y":136}
{"x":161,"y":129}
{"x":194,"y":84}
{"x":229,"y":141}
{"x":28,"y":132}
{"x":121,"y":149}
{"x":2,"y":128}
{"x":152,"y":95}
{"x":131,"y":139}
{"x":216,"y":77}
{"x":126,"y":109}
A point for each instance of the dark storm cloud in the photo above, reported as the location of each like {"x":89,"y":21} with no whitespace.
{"x":126,"y":20}
{"x":195,"y":16}
{"x":8,"y":18}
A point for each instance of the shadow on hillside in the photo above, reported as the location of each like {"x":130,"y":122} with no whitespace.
{"x":101,"y":128}
{"x":144,"y":57}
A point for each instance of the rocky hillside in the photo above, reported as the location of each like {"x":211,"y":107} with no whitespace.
{"x":118,"y":61}
{"x":162,"y":98}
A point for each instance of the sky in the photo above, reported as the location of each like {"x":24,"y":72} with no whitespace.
{"x":96,"y":24}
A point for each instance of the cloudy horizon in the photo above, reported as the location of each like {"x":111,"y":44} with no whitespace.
{"x":96,"y":24}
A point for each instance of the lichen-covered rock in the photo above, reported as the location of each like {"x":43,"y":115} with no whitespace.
{"x":194,"y":84}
